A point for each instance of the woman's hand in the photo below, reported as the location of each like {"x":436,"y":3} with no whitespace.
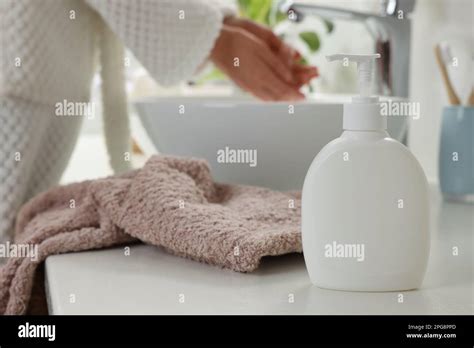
{"x":288,"y":54}
{"x":266,"y":67}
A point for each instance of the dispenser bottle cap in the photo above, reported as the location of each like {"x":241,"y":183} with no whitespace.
{"x":364,"y":111}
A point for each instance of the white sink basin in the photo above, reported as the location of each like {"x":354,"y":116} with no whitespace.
{"x":285,"y":143}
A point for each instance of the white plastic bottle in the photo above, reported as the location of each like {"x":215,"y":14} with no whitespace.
{"x":365,"y":204}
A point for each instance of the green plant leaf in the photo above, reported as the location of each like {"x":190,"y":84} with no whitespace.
{"x":214,"y":75}
{"x":329,"y":25}
{"x":256,"y":10}
{"x":245,"y":8}
{"x":280,"y":17}
{"x":311,"y":39}
{"x":263,"y":15}
{"x":244,"y":3}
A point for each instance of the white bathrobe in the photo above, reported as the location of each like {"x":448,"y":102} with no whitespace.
{"x":49,"y":51}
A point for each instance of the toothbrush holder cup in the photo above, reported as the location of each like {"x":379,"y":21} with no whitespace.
{"x":456,"y":155}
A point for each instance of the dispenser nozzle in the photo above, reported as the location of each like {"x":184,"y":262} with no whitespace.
{"x":365,"y":69}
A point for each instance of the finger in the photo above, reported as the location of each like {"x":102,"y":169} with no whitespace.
{"x":277,"y":66}
{"x":297,"y":56}
{"x":305,"y":69}
{"x":304,"y":79}
{"x":278,"y":96}
{"x":279,"y":89}
{"x":305,"y":76}
{"x":272,"y":95}
{"x":305,"y":73}
{"x":253,"y":89}
{"x":287,"y":54}
{"x":275,"y":46}
{"x":266,"y":92}
{"x":275,"y":43}
{"x":263,"y":94}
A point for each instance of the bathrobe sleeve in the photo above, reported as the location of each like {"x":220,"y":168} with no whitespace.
{"x":171,"y":38}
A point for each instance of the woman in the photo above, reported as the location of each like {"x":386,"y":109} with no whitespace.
{"x":50,"y":50}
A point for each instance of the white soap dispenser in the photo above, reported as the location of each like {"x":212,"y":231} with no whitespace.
{"x":365,"y":207}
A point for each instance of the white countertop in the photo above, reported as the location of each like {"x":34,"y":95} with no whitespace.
{"x":151,"y":281}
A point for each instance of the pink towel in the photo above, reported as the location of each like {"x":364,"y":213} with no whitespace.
{"x":170,"y":202}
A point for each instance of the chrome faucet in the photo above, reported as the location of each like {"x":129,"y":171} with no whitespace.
{"x":391,"y":30}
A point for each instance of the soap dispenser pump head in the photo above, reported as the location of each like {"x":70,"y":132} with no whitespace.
{"x":365,"y":69}
{"x":363,"y":113}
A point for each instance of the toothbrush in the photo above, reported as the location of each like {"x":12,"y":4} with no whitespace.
{"x":443,"y":57}
{"x":470,"y":100}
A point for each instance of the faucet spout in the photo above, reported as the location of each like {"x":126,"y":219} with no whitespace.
{"x":392,"y":39}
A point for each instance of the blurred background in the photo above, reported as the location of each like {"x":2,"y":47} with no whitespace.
{"x":432,"y":21}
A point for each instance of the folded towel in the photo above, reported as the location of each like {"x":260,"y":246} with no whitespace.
{"x":170,"y":202}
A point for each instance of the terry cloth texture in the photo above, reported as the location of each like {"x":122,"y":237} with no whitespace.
{"x":49,"y":53}
{"x":171,"y":202}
